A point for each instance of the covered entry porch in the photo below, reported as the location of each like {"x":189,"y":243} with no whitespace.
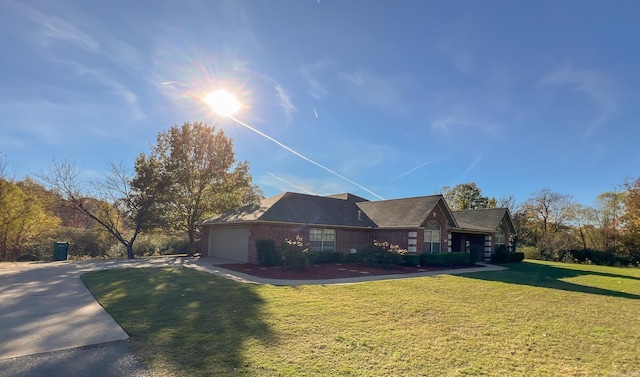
{"x":479,"y":243}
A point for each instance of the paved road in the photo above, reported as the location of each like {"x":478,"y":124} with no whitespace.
{"x":113,"y":359}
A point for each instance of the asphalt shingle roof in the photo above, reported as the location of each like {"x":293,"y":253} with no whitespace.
{"x":353,"y":211}
{"x":289,"y":207}
{"x":480,"y":219}
{"x":400,"y":213}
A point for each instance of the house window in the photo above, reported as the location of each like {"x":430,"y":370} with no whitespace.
{"x":499,"y":238}
{"x":432,"y":236}
{"x":321,"y":239}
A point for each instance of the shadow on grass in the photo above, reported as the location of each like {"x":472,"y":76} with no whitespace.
{"x":549,"y":276}
{"x":185,"y":320}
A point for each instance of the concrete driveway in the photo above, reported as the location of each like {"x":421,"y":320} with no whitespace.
{"x":50,"y":325}
{"x":45,"y":307}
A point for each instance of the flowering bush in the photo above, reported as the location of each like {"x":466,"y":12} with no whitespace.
{"x":295,"y":254}
{"x":381,"y":254}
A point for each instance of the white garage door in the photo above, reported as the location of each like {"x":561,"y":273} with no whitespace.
{"x":229,"y":243}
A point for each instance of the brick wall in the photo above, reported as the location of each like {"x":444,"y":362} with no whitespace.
{"x":346,"y":238}
{"x":275,"y":232}
{"x":445,"y":228}
{"x":398,"y":237}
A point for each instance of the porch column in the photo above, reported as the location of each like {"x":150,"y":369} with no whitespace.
{"x":487,"y":248}
{"x":412,"y":242}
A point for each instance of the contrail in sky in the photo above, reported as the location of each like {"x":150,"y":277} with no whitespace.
{"x":306,"y":158}
{"x":292,"y":184}
{"x":315,"y":111}
{"x":411,"y":170}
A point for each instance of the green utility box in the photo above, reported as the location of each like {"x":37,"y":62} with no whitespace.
{"x":60,"y":251}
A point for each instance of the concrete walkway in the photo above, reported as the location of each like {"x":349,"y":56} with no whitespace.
{"x":45,"y":307}
{"x":216,"y":267}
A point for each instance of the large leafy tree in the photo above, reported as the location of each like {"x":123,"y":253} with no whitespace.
{"x":23,"y":217}
{"x":193,"y":170}
{"x":465,"y":196}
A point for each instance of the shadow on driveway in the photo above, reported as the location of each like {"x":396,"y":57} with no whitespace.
{"x":46,"y":307}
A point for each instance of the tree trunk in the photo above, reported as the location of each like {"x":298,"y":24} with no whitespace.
{"x":583,"y":238}
{"x":130,"y":251}
{"x":192,"y":243}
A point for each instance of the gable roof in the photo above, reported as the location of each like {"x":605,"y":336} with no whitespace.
{"x":290,"y":207}
{"x":350,"y":210}
{"x":402,"y":213}
{"x":483,"y":219}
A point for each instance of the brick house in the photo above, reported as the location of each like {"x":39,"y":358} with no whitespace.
{"x":346,"y":222}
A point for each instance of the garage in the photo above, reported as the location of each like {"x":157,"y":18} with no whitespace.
{"x":229,"y":243}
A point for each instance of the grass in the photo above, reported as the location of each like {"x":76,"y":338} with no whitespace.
{"x":537,"y":318}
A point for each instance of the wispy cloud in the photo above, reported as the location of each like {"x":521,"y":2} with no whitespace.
{"x":56,"y":28}
{"x":285,"y":103}
{"x":455,"y":123}
{"x":384,"y":92}
{"x":590,"y":82}
{"x":356,"y":156}
{"x":80,"y":31}
{"x":310,"y":73}
{"x":115,"y":87}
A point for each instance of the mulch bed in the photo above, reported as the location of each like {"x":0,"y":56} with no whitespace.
{"x":325,"y":271}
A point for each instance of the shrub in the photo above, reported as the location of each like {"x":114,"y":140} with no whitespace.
{"x":446,"y":259}
{"x":83,"y":243}
{"x":599,"y":257}
{"x":504,"y":257}
{"x":531,"y":252}
{"x":475,"y":255}
{"x":410,"y":260}
{"x":379,"y":254}
{"x":296,"y":254}
{"x":320,"y":257}
{"x":354,"y":257}
{"x":266,"y":253}
{"x":159,"y":244}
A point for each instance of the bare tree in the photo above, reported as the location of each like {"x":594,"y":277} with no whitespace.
{"x":552,"y":213}
{"x":608,"y":211}
{"x":113,"y":204}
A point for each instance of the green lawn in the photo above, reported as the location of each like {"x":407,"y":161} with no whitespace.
{"x":537,"y":318}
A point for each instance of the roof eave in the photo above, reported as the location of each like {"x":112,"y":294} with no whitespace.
{"x":471,"y":230}
{"x":247,"y":222}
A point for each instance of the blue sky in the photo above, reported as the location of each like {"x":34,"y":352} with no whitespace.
{"x":400,"y":97}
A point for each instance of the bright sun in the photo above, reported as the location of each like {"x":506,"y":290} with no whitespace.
{"x":222,"y":102}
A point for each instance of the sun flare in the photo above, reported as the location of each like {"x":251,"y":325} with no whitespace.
{"x":222,"y":102}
